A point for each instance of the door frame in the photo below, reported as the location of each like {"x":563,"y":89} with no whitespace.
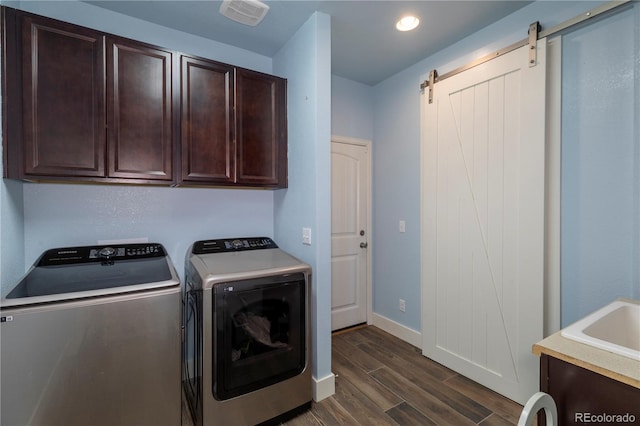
{"x":369,"y":205}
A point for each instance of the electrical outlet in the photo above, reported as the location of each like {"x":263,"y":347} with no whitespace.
{"x":402,"y":305}
{"x":402,"y":227}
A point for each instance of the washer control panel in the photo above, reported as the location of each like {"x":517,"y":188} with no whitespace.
{"x":232,"y":245}
{"x":70,"y":255}
{"x":126,"y":251}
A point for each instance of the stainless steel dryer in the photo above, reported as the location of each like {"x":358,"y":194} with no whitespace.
{"x":91,"y":336}
{"x":246,"y":356}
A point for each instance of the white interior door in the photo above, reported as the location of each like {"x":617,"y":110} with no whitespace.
{"x":483,"y":166}
{"x":350,"y":216}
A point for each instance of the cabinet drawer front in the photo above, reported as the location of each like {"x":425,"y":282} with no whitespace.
{"x":63,"y":99}
{"x":139,"y":111}
{"x":207,"y":121}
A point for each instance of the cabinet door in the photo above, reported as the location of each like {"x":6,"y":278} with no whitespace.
{"x":261,"y":126}
{"x":207,"y":121}
{"x":581,"y":395}
{"x":62,"y":99}
{"x":139,"y":111}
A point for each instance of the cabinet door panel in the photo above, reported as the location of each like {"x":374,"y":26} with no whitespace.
{"x":63,"y":99}
{"x":139,"y":111}
{"x":207,"y":121}
{"x":261,"y":129}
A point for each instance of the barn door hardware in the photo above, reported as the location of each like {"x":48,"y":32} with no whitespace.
{"x":534,"y":29}
{"x":535,"y":33}
{"x":433,"y":75}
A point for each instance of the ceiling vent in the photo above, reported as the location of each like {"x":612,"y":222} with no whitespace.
{"x":247,"y":12}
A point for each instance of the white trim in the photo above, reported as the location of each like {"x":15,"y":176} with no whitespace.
{"x":398,"y":330}
{"x":366,"y":143}
{"x":324,"y":388}
{"x":552,"y":187}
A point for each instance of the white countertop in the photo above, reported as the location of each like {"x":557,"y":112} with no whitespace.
{"x":617,"y":367}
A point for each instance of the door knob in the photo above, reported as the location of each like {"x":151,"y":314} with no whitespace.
{"x":364,"y":245}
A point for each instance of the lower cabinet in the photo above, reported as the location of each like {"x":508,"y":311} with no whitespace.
{"x":585,"y":397}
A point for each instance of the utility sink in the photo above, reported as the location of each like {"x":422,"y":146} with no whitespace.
{"x":614,"y":328}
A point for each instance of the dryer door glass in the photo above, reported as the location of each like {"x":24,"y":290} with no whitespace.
{"x":259,"y":333}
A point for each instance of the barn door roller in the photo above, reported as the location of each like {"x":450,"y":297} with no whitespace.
{"x":534,"y":29}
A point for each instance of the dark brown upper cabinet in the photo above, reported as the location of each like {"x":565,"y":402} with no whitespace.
{"x":208,"y":152}
{"x":139,"y":111}
{"x":81,"y":105}
{"x":233,"y":125}
{"x":91,"y":107}
{"x":62,"y":75}
{"x":261,"y":126}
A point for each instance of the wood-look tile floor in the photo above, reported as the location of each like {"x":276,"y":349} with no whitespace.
{"x":382,"y":380}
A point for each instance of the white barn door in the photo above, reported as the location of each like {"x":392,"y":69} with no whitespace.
{"x":483,"y":222}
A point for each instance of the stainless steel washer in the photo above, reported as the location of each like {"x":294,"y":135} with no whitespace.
{"x":91,"y":336}
{"x":247,"y":332}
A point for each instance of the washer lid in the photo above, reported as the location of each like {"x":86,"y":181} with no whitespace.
{"x":78,"y":272}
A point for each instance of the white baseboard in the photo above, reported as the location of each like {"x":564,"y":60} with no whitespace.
{"x":324,"y":388}
{"x":403,"y":332}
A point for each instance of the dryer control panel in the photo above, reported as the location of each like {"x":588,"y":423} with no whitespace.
{"x":232,"y":245}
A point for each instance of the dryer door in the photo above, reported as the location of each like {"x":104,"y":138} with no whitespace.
{"x":259,"y":336}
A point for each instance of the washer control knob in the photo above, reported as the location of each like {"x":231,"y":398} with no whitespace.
{"x":236,"y":244}
{"x":107,"y":252}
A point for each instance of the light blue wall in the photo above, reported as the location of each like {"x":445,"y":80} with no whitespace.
{"x":11,"y":234}
{"x":70,"y":215}
{"x":306,"y":60}
{"x":396,"y":148}
{"x":351,"y":108}
{"x":600,"y":164}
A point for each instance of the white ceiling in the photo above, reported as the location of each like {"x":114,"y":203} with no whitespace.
{"x":365,"y":45}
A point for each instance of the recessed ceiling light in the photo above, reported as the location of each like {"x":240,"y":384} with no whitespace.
{"x":407,"y":23}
